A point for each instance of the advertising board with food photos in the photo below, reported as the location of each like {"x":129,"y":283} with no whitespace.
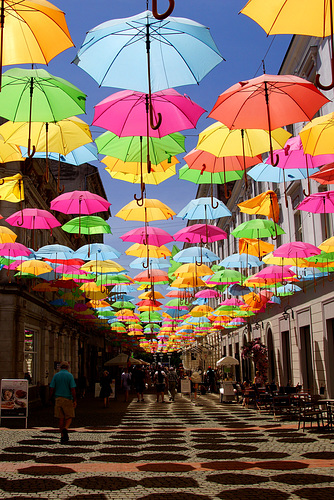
{"x":14,"y":398}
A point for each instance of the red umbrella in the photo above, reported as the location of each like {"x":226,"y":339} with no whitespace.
{"x":325,"y":174}
{"x":268,"y":102}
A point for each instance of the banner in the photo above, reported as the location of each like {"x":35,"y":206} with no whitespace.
{"x":14,"y":398}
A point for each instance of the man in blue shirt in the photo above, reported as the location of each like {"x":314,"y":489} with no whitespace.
{"x":63,"y":388}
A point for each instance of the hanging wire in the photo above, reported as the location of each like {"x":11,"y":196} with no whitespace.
{"x":263,"y":59}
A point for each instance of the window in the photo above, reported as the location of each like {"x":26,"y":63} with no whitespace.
{"x":298,"y":226}
{"x":30,"y":352}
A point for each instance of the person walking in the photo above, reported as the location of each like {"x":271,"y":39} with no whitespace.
{"x":139,"y":382}
{"x":126,"y":383}
{"x":62,"y":386}
{"x":196,"y":379}
{"x":172,"y":383}
{"x":160,"y":383}
{"x":105,"y":388}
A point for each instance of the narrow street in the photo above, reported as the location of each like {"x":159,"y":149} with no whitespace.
{"x":152,"y":451}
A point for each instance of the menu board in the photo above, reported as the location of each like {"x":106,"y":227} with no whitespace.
{"x":185,"y":386}
{"x":14,"y":398}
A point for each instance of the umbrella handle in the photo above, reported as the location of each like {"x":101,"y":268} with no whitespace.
{"x":31,"y":153}
{"x":165,"y":14}
{"x":157,"y":125}
{"x":140,"y":201}
{"x":20,"y":223}
{"x":214,"y":205}
{"x":273,"y":162}
{"x":2,"y":181}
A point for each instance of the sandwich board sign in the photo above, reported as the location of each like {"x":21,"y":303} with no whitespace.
{"x":14,"y":399}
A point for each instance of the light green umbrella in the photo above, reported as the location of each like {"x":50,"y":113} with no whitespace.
{"x":257,"y":228}
{"x":123,"y":304}
{"x":112,"y":279}
{"x":87,"y":224}
{"x":133,"y":149}
{"x":202,"y":177}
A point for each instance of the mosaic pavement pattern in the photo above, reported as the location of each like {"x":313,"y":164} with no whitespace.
{"x":182,"y":450}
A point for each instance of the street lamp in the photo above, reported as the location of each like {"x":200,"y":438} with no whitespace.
{"x":169,"y":354}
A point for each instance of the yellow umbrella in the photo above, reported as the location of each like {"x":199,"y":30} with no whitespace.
{"x":317,"y":135}
{"x":149,"y":308}
{"x":284,"y":261}
{"x":35,"y":267}
{"x":102,"y":266}
{"x":134,"y":167}
{"x":93,"y":291}
{"x":45,"y":287}
{"x":57,"y":137}
{"x":187,"y":282}
{"x":151,"y":178}
{"x":11,"y":188}
{"x":7,"y":235}
{"x":221,"y":141}
{"x":97,"y":304}
{"x":199,"y":311}
{"x":150,"y":210}
{"x":190,"y":270}
{"x":9,"y":152}
{"x":327,"y":245}
{"x":151,"y":294}
{"x":140,"y":250}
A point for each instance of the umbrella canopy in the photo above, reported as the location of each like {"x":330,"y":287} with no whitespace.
{"x":33,"y":218}
{"x":33,"y":32}
{"x":199,"y":160}
{"x":148,"y":236}
{"x":181,"y":52}
{"x":139,"y":250}
{"x":318,"y":203}
{"x":83,"y":154}
{"x":257,"y":228}
{"x":202,"y":177}
{"x":60,"y":137}
{"x":88,"y":224}
{"x":134,"y":148}
{"x":79,"y":202}
{"x":296,"y":249}
{"x":126,"y":113}
{"x":241,"y":261}
{"x":255,"y":247}
{"x":98,"y":251}
{"x":56,"y":253}
{"x":38,"y":96}
{"x":198,"y":233}
{"x":317,"y":136}
{"x":34,"y":266}
{"x":120,"y":360}
{"x":150,"y":210}
{"x":154,"y":263}
{"x":145,"y":177}
{"x":325,"y":175}
{"x":268,"y":102}
{"x":264,"y":204}
{"x":227,"y":361}
{"x":201,"y":208}
{"x":14,"y":250}
{"x":11,"y":188}
{"x":7,"y":235}
{"x":195,"y":254}
{"x":264,"y":172}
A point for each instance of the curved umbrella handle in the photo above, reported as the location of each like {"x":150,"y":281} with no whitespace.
{"x":21,"y":222}
{"x":59,"y":189}
{"x":165,"y":14}
{"x":157,"y":125}
{"x":140,"y":201}
{"x":273,"y":162}
{"x":2,"y":181}
{"x":325,"y":87}
{"x":31,"y":153}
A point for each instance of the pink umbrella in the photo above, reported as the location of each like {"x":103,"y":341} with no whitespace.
{"x":14,"y":250}
{"x":148,"y":236}
{"x":200,"y":233}
{"x":274,"y":272}
{"x":80,"y":202}
{"x":232,"y":302}
{"x":126,"y":113}
{"x":69,"y":269}
{"x":297,"y":249}
{"x":33,"y":218}
{"x":293,"y":156}
{"x":207,"y":294}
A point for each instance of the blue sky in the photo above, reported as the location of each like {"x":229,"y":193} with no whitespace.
{"x":241,"y":42}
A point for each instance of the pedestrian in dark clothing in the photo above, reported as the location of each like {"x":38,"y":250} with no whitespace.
{"x":211,"y":379}
{"x":139,"y":382}
{"x":105,"y":388}
{"x":63,"y":387}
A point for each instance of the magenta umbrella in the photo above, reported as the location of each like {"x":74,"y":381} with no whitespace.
{"x":293,"y":156}
{"x":69,"y":269}
{"x":296,"y":249}
{"x":275,"y":272}
{"x":14,"y":250}
{"x":319,"y":203}
{"x":207,"y":294}
{"x":148,"y":236}
{"x":200,"y":233}
{"x":80,"y":202}
{"x":126,"y":113}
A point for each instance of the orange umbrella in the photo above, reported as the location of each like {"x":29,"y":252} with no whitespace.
{"x":264,"y":204}
{"x":255,"y":247}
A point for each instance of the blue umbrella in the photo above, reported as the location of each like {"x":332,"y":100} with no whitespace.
{"x":263,"y":172}
{"x":153,"y":263}
{"x":83,"y":154}
{"x":288,"y":289}
{"x":55,"y":252}
{"x":175,"y":313}
{"x":243,"y":260}
{"x":98,"y":251}
{"x":201,"y":208}
{"x":195,"y":254}
{"x":181,"y":52}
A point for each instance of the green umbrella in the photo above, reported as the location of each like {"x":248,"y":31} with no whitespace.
{"x":123,"y":304}
{"x":148,"y":316}
{"x":112,"y":279}
{"x":257,"y":228}
{"x":106,"y":314}
{"x":226,"y":277}
{"x":36,"y":95}
{"x":133,"y":149}
{"x":202,"y":177}
{"x":87,"y":224}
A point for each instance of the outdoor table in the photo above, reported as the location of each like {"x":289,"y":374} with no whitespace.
{"x":329,"y":409}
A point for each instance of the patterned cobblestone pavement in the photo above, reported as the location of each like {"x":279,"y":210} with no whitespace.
{"x":182,"y":450}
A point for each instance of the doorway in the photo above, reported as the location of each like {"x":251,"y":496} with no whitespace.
{"x":286,"y":358}
{"x":306,"y":358}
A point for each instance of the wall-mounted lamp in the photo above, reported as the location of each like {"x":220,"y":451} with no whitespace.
{"x":286,"y":314}
{"x":258,"y":325}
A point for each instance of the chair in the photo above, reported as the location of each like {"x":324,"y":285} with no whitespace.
{"x":282,"y":406}
{"x":264,"y":403}
{"x":309,"y":411}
